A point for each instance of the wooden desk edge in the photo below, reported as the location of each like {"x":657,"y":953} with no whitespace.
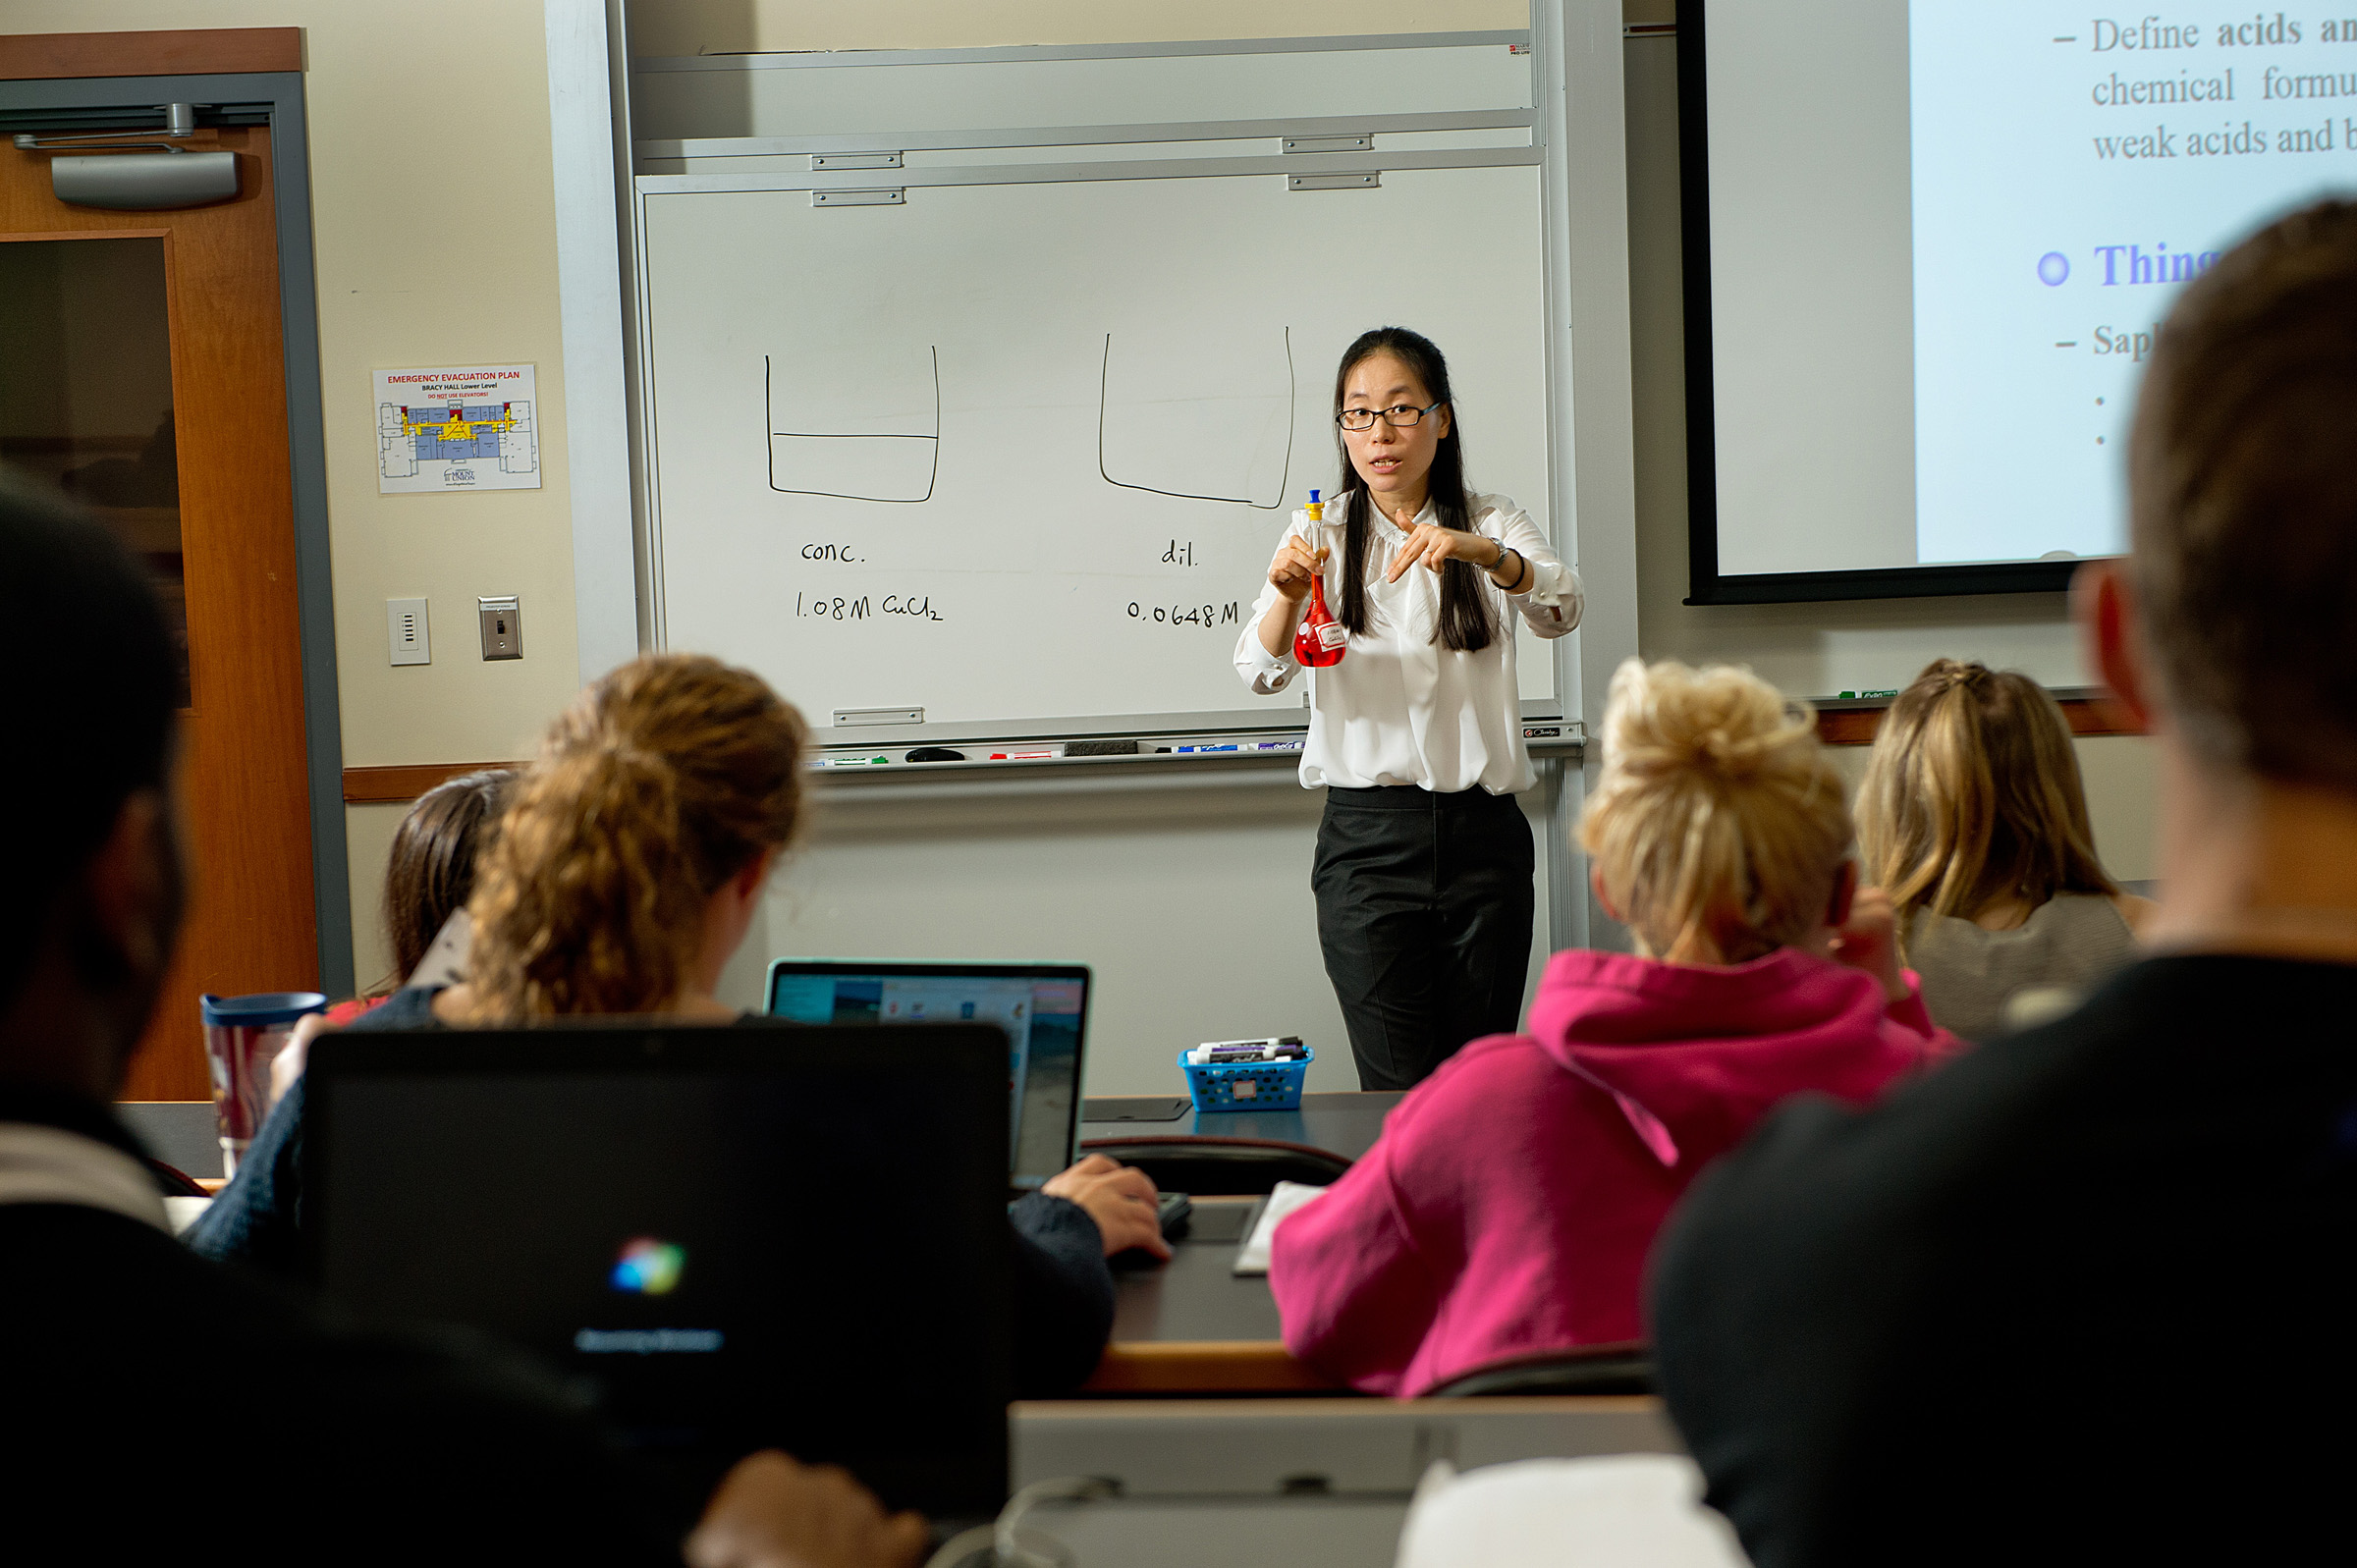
{"x":1202,"y":1366}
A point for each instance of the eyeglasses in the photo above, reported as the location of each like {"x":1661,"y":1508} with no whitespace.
{"x":1399,"y":418}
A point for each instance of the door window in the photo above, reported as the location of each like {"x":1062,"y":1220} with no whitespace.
{"x":85,"y":394}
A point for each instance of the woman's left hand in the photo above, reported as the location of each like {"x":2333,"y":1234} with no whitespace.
{"x":1429,"y":545}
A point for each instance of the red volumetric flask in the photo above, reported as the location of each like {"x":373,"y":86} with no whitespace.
{"x":1321,"y":641}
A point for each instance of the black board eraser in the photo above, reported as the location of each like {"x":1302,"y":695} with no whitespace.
{"x":936,"y":754}
{"x":1101,"y":748}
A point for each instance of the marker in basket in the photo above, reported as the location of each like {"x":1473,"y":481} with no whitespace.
{"x":1224,"y":1052}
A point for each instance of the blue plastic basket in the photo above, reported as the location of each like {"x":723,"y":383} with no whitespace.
{"x":1246,"y":1085}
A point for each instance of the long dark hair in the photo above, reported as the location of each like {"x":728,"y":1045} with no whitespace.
{"x":1466,"y":624}
{"x":431,"y":873}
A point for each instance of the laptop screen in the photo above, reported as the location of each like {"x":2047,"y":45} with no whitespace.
{"x":1043,"y":1008}
{"x":744,"y":1236}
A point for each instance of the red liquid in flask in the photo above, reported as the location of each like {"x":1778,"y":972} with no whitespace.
{"x":1321,"y":641}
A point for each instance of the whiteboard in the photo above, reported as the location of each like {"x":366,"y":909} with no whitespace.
{"x":1017,"y":455}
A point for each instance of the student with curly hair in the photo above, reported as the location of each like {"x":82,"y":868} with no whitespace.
{"x":628,"y":868}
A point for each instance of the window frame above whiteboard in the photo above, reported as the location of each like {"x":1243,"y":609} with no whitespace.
{"x":1561,"y":50}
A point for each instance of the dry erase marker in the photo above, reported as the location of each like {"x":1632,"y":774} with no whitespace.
{"x":1211,"y":749}
{"x":849,"y":762}
{"x":1286,"y":1049}
{"x":1020,"y":756}
{"x":1230,"y":1056}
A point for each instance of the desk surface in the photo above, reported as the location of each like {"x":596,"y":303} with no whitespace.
{"x":1346,"y":1124}
{"x":1191,"y":1326}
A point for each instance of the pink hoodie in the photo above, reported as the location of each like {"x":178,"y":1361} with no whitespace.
{"x":1510,"y":1204}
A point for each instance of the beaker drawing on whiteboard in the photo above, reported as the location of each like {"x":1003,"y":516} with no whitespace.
{"x":1200,"y":415}
{"x":867,"y":429}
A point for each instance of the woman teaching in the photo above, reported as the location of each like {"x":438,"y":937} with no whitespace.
{"x":1424,"y":861}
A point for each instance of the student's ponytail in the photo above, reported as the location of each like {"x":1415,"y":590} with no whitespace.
{"x":657,"y":785}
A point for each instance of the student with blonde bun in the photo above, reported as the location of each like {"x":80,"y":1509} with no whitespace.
{"x":1509,"y":1207}
{"x":1972,"y":818}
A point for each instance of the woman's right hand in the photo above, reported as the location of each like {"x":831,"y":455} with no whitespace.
{"x":1119,"y":1198}
{"x":1296,"y":566}
{"x":772,"y":1512}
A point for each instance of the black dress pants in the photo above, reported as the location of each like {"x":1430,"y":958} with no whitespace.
{"x":1424,"y":911}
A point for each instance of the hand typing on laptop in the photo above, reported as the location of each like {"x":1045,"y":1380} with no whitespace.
{"x":1119,"y":1198}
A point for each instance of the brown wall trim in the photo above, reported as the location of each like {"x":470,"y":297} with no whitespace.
{"x":399,"y":785}
{"x":187,"y":52}
{"x":1854,"y":726}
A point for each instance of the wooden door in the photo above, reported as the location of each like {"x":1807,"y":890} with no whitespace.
{"x":203,"y":491}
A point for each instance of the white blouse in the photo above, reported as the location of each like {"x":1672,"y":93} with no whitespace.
{"x":1400,"y":709}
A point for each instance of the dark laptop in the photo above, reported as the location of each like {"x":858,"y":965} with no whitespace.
{"x":745,"y":1236}
{"x":1043,"y":1008}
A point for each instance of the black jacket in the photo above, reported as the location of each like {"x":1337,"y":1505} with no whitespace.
{"x":161,"y":1408}
{"x":2087,"y":1294}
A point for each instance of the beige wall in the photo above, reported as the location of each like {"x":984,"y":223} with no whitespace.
{"x":367,"y":845}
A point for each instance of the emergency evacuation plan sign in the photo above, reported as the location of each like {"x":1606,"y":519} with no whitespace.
{"x":469,"y":427}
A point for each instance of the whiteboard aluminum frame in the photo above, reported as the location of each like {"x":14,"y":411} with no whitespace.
{"x":1271,"y":718}
{"x":1582,"y":48}
{"x":588,"y":167}
{"x":1591,"y":494}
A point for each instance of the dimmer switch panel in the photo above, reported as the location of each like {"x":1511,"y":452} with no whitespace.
{"x":503,"y":626}
{"x":405,"y":631}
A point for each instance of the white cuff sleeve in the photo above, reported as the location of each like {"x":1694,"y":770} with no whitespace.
{"x":1262,"y":671}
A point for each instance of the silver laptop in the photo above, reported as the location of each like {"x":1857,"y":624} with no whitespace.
{"x":1042,"y":1008}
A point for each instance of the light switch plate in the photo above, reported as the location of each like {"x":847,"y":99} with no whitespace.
{"x":405,"y":631}
{"x":503,"y":626}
